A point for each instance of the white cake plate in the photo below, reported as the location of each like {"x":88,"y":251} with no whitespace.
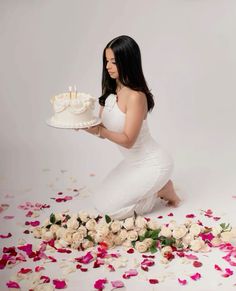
{"x":50,"y":123}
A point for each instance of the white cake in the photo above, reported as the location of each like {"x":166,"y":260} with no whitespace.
{"x":73,"y":110}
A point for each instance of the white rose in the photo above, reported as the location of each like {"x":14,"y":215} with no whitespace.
{"x":46,"y":222}
{"x":227,"y":236}
{"x":187,"y":239}
{"x":195,"y":229}
{"x":142,"y":232}
{"x":165,"y":231}
{"x":92,"y":233}
{"x":72,"y":223}
{"x":123,"y":234}
{"x":153,"y":224}
{"x":67,"y":236}
{"x":179,"y":231}
{"x":37,"y":232}
{"x":141,"y":246}
{"x":75,"y":245}
{"x":115,"y":226}
{"x":140,"y":222}
{"x":84,"y":216}
{"x":216,"y":230}
{"x":165,"y":250}
{"x":148,"y":242}
{"x":188,"y":223}
{"x":102,"y":229}
{"x":58,"y":216}
{"x":132,"y":235}
{"x":127,"y":243}
{"x":118,"y":240}
{"x":216,"y":241}
{"x":91,"y":224}
{"x":54,"y":228}
{"x":47,"y":236}
{"x":129,"y":223}
{"x":109,"y":239}
{"x":78,"y":236}
{"x":61,"y":243}
{"x":87,"y":244}
{"x":82,"y":229}
{"x":197,"y":244}
{"x":60,"y":232}
{"x":172,"y":224}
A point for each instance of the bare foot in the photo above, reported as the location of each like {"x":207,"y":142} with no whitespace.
{"x":168,"y":194}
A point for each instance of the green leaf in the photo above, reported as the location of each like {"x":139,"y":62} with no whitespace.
{"x":141,"y":238}
{"x":79,"y":220}
{"x":52,"y":218}
{"x":88,"y":237}
{"x":108,"y":219}
{"x":133,"y":243}
{"x":167,"y":241}
{"x":67,"y":217}
{"x":58,"y":222}
{"x":155,"y":233}
{"x":148,"y":233}
{"x":153,"y":249}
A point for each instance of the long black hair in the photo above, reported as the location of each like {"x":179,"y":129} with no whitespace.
{"x":129,"y":65}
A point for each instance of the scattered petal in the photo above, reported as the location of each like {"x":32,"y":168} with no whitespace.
{"x":117,"y":284}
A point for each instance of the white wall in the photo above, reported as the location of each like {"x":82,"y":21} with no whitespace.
{"x":188,"y":51}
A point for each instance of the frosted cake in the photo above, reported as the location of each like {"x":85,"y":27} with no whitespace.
{"x":73,"y":110}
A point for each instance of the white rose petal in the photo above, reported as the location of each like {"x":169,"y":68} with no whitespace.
{"x":115,"y":226}
{"x":195,"y":229}
{"x":129,"y":223}
{"x":141,"y":246}
{"x":140,"y":222}
{"x":132,"y":235}
{"x":179,"y":231}
{"x":165,"y":231}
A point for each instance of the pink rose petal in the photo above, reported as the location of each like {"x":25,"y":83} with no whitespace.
{"x":45,"y":279}
{"x":196,"y":276}
{"x":13,"y":284}
{"x":99,"y":284}
{"x":8,"y":216}
{"x":6,"y":235}
{"x":130,"y":251}
{"x":170,"y":214}
{"x":39,"y":268}
{"x":218,"y":268}
{"x":86,"y":259}
{"x":182,"y":282}
{"x":59,"y":284}
{"x":147,"y":262}
{"x":191,"y":257}
{"x":130,"y":273}
{"x":190,"y":215}
{"x":25,"y":271}
{"x":117,"y":284}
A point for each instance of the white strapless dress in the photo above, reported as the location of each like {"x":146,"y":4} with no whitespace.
{"x":132,"y":185}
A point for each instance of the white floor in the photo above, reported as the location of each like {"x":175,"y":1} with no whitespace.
{"x":216,"y":193}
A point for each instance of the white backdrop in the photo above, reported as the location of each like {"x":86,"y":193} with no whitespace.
{"x":188,"y":52}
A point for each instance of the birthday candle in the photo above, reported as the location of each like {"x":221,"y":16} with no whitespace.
{"x":70,"y":90}
{"x":75,"y":89}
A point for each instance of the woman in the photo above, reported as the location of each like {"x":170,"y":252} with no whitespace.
{"x":144,"y":173}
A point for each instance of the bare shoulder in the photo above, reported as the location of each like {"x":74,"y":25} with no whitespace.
{"x":136,"y":97}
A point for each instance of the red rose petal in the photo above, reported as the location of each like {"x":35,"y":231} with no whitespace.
{"x":153,"y":281}
{"x":197,"y":264}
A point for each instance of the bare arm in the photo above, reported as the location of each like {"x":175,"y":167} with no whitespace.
{"x":135,"y":113}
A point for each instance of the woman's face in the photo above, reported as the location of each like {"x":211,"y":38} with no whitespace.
{"x":111,"y":64}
